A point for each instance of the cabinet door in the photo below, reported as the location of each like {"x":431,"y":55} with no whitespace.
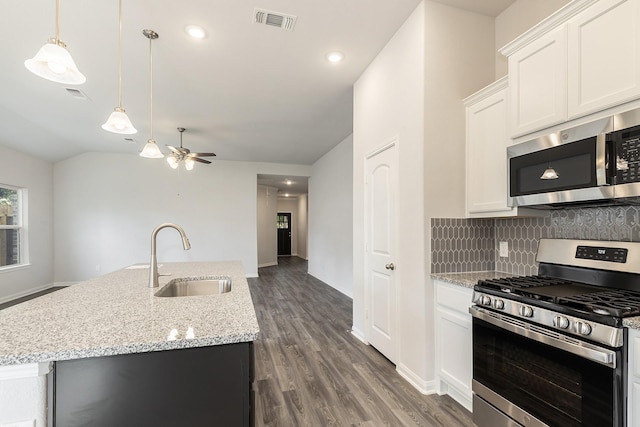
{"x":538,"y":83}
{"x":454,"y":361}
{"x":454,"y":345}
{"x":604,"y":56}
{"x":633,"y":368}
{"x":487,"y":142}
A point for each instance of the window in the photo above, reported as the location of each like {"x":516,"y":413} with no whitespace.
{"x":282,"y":221}
{"x":12,"y":232}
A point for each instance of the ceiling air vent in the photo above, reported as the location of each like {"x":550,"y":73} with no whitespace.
{"x":78,"y":94}
{"x":274,"y":19}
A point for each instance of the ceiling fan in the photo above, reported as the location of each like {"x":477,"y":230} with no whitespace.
{"x":180,"y":154}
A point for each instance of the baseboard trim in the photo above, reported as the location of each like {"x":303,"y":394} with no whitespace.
{"x":268,"y":264}
{"x":252,"y":275}
{"x":358,"y":334}
{"x":423,"y":386}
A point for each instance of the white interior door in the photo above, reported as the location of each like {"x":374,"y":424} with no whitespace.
{"x":380,"y":233}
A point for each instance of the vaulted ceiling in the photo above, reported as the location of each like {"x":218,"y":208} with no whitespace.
{"x":246,"y":91}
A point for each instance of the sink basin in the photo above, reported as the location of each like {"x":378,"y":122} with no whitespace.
{"x":187,"y":287}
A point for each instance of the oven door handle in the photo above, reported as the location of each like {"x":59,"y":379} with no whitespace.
{"x":575,"y":346}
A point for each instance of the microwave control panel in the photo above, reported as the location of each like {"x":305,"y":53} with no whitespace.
{"x":628,"y":160}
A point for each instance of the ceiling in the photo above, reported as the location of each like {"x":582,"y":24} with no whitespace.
{"x":246,"y":91}
{"x":288,"y":186}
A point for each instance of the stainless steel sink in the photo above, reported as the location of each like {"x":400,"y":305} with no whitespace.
{"x":187,"y":287}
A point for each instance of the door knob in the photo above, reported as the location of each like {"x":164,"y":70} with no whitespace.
{"x":390,"y":266}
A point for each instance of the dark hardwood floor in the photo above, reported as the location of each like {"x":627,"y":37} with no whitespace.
{"x":28,"y":297}
{"x":310,"y":370}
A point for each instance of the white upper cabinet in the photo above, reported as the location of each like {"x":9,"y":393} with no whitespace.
{"x":604,"y":56}
{"x":583,"y":59}
{"x":486,"y":154}
{"x":537,"y":80}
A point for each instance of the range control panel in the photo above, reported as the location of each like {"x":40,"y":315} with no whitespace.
{"x":601,"y":253}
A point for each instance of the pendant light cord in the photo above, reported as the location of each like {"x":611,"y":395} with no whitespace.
{"x":57,"y":21}
{"x":151,"y":87}
{"x":119,"y":54}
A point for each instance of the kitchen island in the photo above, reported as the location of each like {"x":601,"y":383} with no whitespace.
{"x":116,"y":317}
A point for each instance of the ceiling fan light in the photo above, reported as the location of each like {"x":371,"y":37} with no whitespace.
{"x":188,"y":164}
{"x":118,"y":122}
{"x":54,"y":62}
{"x":151,"y":150}
{"x":173,"y":162}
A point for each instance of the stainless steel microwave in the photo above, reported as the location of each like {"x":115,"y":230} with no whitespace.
{"x":595,"y":163}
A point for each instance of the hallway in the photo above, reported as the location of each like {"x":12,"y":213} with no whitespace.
{"x":310,"y":370}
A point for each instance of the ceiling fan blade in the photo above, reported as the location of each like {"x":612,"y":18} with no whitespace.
{"x":174,"y":149}
{"x":202,"y":154}
{"x":200,"y":160}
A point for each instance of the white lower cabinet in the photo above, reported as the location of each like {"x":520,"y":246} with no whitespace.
{"x":633,"y":369}
{"x":454,"y":362}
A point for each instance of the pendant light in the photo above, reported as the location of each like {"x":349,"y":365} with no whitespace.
{"x":151,"y":149}
{"x":118,"y":121}
{"x":550,"y":173}
{"x":54,"y":62}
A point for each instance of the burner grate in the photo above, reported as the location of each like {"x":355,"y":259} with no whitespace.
{"x":569,"y":294}
{"x":613,"y":302}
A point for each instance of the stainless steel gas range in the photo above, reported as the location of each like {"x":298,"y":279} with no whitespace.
{"x":550,"y":350}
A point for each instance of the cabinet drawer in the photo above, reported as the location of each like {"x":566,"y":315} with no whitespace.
{"x":455,"y":297}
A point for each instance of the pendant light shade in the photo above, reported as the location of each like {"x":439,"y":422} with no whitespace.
{"x":54,"y":62}
{"x":118,"y":121}
{"x":550,"y":173}
{"x":151,"y":150}
{"x":188,"y":164}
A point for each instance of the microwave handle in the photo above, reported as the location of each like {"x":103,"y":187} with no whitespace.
{"x":604,"y":154}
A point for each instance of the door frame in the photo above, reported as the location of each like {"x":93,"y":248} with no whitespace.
{"x":393,"y":142}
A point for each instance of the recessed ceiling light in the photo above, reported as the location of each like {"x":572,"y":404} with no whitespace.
{"x":288,"y":182}
{"x":335,"y":57}
{"x":195,"y":31}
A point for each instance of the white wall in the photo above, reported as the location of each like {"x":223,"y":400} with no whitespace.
{"x":515,"y":20}
{"x":331,"y":218}
{"x":460,"y":45}
{"x":290,"y":205}
{"x":267,"y":206}
{"x":21,"y":170}
{"x":302,"y":226}
{"x":389,"y":103}
{"x":108,"y":204}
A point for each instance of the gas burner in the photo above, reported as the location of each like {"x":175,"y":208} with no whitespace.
{"x":602,"y":311}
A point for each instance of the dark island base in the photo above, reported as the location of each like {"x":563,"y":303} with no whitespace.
{"x":205,"y":386}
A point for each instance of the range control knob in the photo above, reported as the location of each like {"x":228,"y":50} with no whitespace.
{"x":526,"y":311}
{"x":498,"y":304}
{"x":561,"y":322}
{"x":583,"y":328}
{"x":485,"y":300}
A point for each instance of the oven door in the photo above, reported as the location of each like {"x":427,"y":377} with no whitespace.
{"x":525,"y":375}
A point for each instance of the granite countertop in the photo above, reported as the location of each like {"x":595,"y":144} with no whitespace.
{"x":631,"y":322}
{"x":469,"y":279}
{"x":118,"y":314}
